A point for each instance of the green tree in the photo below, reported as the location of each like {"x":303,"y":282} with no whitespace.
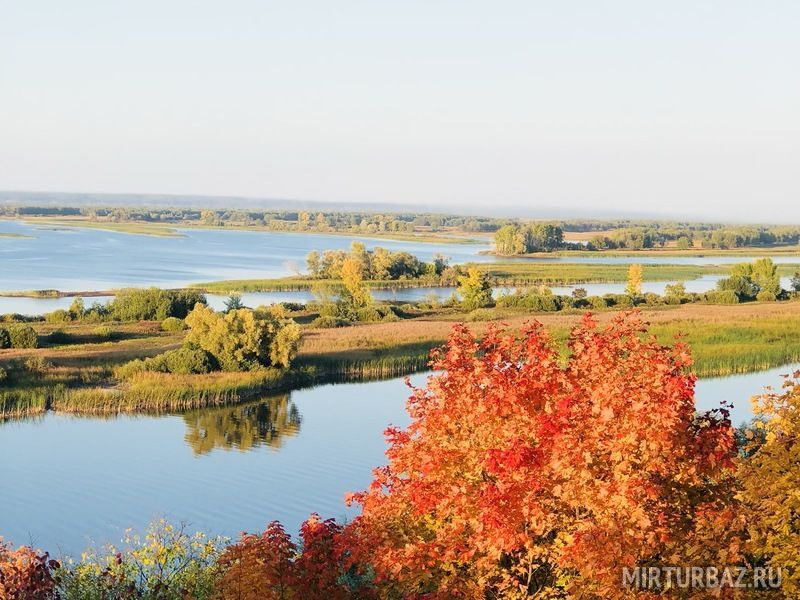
{"x":796,"y":282}
{"x":243,"y":339}
{"x":765,"y":276}
{"x":675,"y":290}
{"x":233,"y":302}
{"x":475,"y":289}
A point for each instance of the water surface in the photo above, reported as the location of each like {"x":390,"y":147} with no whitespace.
{"x":70,"y":479}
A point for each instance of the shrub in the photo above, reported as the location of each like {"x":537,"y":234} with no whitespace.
{"x":598,"y":302}
{"x":25,"y":574}
{"x":765,"y":296}
{"x":189,"y":361}
{"x":22,"y":336}
{"x":367,"y":315}
{"x":3,"y":375}
{"x":103,"y":332}
{"x":173,"y":324}
{"x":154,"y":304}
{"x":57,"y":316}
{"x":241,"y":340}
{"x":5,"y":340}
{"x":293,"y":306}
{"x":722,"y":297}
{"x":37,"y":364}
{"x":328,"y":322}
{"x":129,"y":369}
{"x":166,"y":563}
{"x":269,"y":565}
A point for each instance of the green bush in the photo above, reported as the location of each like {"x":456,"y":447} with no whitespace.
{"x":722,"y":297}
{"x":244,"y":339}
{"x":173,"y":324}
{"x":5,"y":341}
{"x":598,"y":302}
{"x":328,"y":322}
{"x":620,"y":300}
{"x":129,"y":369}
{"x":22,"y":336}
{"x":672,"y":300}
{"x":188,"y":361}
{"x":57,"y":316}
{"x":154,"y":304}
{"x":766,"y":296}
{"x":103,"y":332}
{"x":3,"y":375}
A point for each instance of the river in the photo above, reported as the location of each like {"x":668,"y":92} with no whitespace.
{"x":69,"y":479}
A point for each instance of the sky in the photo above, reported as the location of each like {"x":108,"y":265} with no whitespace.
{"x":681,"y":108}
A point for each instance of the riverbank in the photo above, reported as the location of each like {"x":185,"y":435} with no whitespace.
{"x":791,"y":250}
{"x":170,"y":229}
{"x":73,"y":371}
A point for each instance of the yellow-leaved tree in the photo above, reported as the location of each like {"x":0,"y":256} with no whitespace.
{"x":770,"y":479}
{"x":634,"y":286}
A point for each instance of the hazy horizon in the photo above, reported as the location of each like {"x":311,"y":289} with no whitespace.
{"x":681,"y":110}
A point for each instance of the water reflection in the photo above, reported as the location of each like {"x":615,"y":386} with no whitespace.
{"x":243,"y":427}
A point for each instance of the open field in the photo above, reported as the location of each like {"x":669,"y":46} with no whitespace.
{"x":78,"y":374}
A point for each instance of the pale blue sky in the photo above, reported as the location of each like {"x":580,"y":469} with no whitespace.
{"x":684,"y":107}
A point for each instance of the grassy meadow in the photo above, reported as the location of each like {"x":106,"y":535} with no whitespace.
{"x":74,"y":369}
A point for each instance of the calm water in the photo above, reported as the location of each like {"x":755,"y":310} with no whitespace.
{"x":68,"y":479}
{"x":75,"y":259}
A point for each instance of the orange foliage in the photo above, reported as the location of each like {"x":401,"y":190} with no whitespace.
{"x":269,"y":566}
{"x":520,"y":476}
{"x":25,"y":574}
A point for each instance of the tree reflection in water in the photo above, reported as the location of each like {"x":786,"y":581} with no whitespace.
{"x":244,"y":427}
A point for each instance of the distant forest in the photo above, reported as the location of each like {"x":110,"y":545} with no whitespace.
{"x":512,"y":236}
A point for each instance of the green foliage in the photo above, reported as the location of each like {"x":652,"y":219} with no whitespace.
{"x":243,"y":339}
{"x":104,"y":332}
{"x":795,"y":282}
{"x":722,"y":296}
{"x":183,"y":361}
{"x":328,"y":322}
{"x":173,"y":324}
{"x":5,"y":339}
{"x":675,"y":290}
{"x":518,"y":239}
{"x":765,"y":276}
{"x":475,"y":289}
{"x":166,"y":563}
{"x":765,"y":296}
{"x":58,"y":316}
{"x":3,"y":375}
{"x":154,"y":304}
{"x":537,"y":300}
{"x":22,"y":336}
{"x":376,"y":264}
{"x":233,"y":302}
{"x":747,"y":280}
